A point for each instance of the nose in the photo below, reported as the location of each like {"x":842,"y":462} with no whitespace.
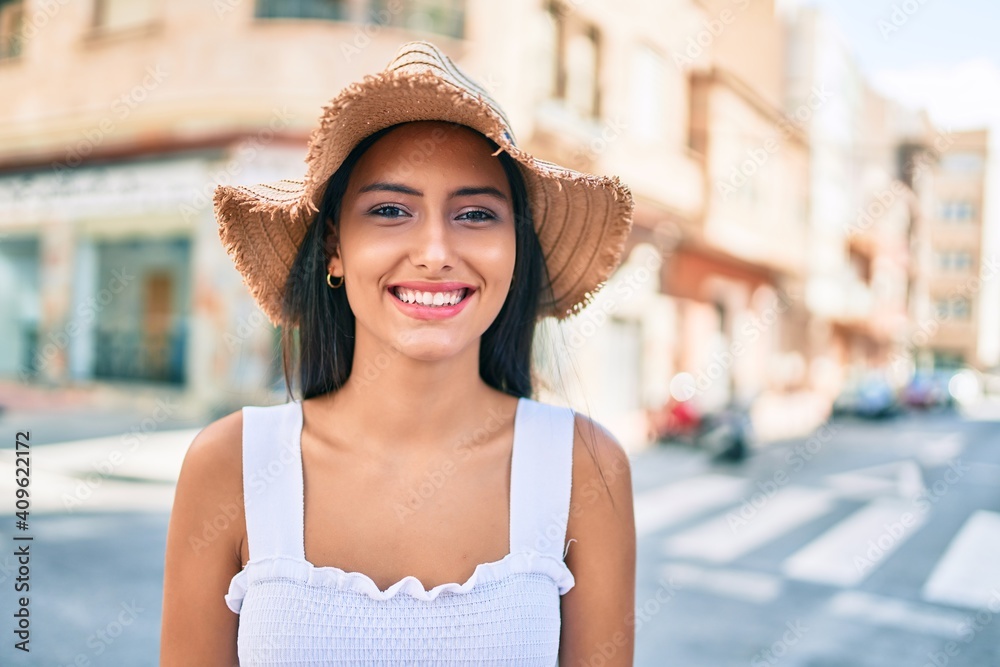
{"x":433,"y":245}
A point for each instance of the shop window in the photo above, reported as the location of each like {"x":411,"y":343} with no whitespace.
{"x":11,"y":28}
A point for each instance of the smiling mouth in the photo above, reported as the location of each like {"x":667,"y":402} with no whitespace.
{"x":430,"y":299}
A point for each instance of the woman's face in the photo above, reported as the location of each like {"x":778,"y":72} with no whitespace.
{"x":427,"y":216}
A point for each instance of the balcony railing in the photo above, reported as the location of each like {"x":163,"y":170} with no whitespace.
{"x":133,"y":354}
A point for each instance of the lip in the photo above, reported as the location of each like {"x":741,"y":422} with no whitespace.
{"x":432,"y":287}
{"x":421,"y":312}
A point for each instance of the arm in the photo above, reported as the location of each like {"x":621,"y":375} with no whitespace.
{"x":598,"y":612}
{"x":203,"y":552}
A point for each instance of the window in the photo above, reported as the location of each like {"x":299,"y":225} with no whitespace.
{"x":648,"y":94}
{"x":11,"y":28}
{"x":941,"y":309}
{"x":575,"y":62}
{"x":581,"y":72}
{"x":944,"y":210}
{"x":958,"y":308}
{"x":120,"y":14}
{"x":443,"y":17}
{"x":944,"y":359}
{"x":697,"y":113}
{"x":965,"y":211}
{"x":954,"y":260}
{"x":956,"y":211}
{"x":334,"y":10}
{"x":545,"y":41}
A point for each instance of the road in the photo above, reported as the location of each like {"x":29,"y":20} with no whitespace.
{"x":868,"y":544}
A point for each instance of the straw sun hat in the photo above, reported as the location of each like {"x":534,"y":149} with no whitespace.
{"x":582,"y":220}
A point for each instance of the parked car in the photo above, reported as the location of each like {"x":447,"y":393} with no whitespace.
{"x":869,"y":397}
{"x":928,"y":390}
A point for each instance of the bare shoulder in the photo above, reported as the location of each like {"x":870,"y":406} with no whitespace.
{"x":217,"y":452}
{"x":602,"y":555}
{"x":220,"y":442}
{"x":204,"y":539}
{"x":602,"y":472}
{"x":211,"y":478}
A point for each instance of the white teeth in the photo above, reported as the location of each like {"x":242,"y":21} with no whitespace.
{"x":429,"y":298}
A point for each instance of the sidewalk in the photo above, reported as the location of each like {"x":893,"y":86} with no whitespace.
{"x":118,"y":473}
{"x":95,"y":449}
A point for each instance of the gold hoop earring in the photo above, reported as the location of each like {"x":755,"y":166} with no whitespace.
{"x":330,"y":283}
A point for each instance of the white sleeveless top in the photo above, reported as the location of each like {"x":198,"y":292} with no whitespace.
{"x":508,"y":612}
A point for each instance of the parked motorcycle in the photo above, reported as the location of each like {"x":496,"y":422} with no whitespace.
{"x":725,"y":433}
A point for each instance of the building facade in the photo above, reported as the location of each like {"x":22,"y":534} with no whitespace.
{"x":959,"y":264}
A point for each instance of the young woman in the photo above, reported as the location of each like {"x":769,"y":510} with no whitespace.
{"x":416,"y":505}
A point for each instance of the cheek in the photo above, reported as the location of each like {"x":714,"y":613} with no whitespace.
{"x":366,"y":253}
{"x":494,"y":257}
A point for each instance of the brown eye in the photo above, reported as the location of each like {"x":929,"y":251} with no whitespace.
{"x":477,"y":215}
{"x":388,"y":212}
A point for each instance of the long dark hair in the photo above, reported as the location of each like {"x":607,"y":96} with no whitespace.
{"x":319,"y":346}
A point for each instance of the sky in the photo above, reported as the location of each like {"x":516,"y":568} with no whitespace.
{"x":942,"y":55}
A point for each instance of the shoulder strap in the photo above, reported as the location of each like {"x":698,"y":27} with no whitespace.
{"x":272,"y":480}
{"x":541,"y":477}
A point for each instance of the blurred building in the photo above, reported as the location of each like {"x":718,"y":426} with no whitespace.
{"x":897,"y":221}
{"x":738,"y":273}
{"x":947,"y":171}
{"x":956,"y":239}
{"x":902,"y":293}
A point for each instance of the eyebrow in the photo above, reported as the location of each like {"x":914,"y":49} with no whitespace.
{"x":384,"y":186}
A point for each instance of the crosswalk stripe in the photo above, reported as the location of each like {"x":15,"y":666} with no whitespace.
{"x":968,"y":575}
{"x":756,"y":587}
{"x":899,"y":478}
{"x":902,"y":614}
{"x":855,"y":547}
{"x":673,"y":503}
{"x":940,"y":451}
{"x":726,"y":537}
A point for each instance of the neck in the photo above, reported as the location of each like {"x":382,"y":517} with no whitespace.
{"x":397,"y":404}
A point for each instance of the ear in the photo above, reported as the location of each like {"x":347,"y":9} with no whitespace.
{"x":331,"y":247}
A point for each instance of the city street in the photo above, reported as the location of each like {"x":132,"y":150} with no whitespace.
{"x":870,"y":543}
{"x":677,"y":218}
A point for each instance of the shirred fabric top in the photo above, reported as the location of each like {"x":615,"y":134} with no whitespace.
{"x":507,"y":612}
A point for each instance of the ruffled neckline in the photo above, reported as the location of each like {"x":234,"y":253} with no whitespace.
{"x":301,"y":570}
